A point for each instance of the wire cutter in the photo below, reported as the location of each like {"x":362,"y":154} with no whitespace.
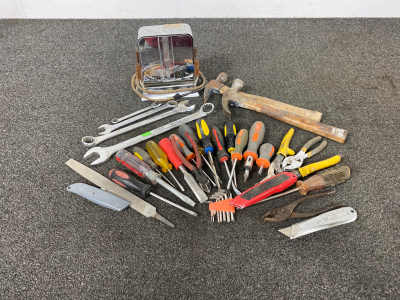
{"x":294,"y":162}
{"x":285,"y":213}
{"x":284,"y":150}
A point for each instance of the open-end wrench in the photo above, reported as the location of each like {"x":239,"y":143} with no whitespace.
{"x":90,"y":141}
{"x":105,"y":153}
{"x":153,"y":106}
{"x":108,"y":128}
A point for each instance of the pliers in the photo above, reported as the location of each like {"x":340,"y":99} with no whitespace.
{"x":294,"y":162}
{"x":284,"y":213}
{"x":284,"y":150}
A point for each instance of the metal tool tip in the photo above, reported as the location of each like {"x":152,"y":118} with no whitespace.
{"x":286,"y":231}
{"x":164,"y":220}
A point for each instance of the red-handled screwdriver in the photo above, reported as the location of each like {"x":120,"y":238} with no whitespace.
{"x":166,"y":145}
{"x":264,"y":189}
{"x":133,"y":185}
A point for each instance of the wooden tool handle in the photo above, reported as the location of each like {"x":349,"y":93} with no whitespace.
{"x":310,"y":114}
{"x":302,"y":122}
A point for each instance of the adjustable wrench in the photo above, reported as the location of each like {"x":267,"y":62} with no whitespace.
{"x":90,"y":141}
{"x":105,"y":153}
{"x":153,"y":106}
{"x":108,"y":128}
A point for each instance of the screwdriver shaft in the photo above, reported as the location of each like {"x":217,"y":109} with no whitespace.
{"x":231,"y":175}
{"x":165,"y":178}
{"x":260,"y":171}
{"x":180,"y":186}
{"x":214,"y":170}
{"x":278,"y":195}
{"x":211,"y":169}
{"x":175,"y":191}
{"x":174,"y":204}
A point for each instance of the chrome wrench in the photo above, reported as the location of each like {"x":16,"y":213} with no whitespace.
{"x":105,"y":153}
{"x":90,"y":141}
{"x":153,"y":106}
{"x":109,"y":128}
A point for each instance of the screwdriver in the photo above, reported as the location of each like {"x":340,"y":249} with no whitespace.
{"x":278,"y":183}
{"x":219,"y":144}
{"x":133,"y":185}
{"x":326,"y":178}
{"x":230,"y":134}
{"x":184,"y":131}
{"x":266,"y":152}
{"x":203,"y":133}
{"x":142,"y":169}
{"x":160,"y":158}
{"x":190,"y":155}
{"x":143,"y":155}
{"x":173,"y":155}
{"x":240,"y":142}
{"x":256,"y":137}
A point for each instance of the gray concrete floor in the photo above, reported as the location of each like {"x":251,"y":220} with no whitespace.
{"x":61,"y":79}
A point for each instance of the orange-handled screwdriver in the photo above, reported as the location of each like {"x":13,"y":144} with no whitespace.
{"x":256,"y":137}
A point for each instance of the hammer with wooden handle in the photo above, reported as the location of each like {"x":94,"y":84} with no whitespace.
{"x":233,"y":98}
{"x":216,"y":86}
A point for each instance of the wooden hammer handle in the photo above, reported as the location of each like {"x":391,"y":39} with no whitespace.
{"x":330,"y":132}
{"x":310,"y":114}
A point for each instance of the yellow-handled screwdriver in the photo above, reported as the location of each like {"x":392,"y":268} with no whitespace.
{"x":143,"y":155}
{"x":160,"y":158}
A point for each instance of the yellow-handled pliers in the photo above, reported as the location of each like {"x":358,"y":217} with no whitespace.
{"x":294,"y":162}
{"x":284,"y":150}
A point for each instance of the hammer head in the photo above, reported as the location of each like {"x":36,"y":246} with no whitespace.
{"x":231,"y":97}
{"x":214,"y":86}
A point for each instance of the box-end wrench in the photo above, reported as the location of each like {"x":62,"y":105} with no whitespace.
{"x":109,"y":128}
{"x":105,"y":153}
{"x":90,"y":141}
{"x":153,"y":106}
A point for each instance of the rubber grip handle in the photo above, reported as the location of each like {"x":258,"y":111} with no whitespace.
{"x":264,"y":189}
{"x":175,"y":147}
{"x":318,"y":149}
{"x":203,"y":132}
{"x":284,"y":148}
{"x":266,"y":152}
{"x":166,"y":145}
{"x":219,"y":144}
{"x":129,"y":182}
{"x":195,"y":148}
{"x":326,"y":178}
{"x":256,"y":137}
{"x":230,"y":134}
{"x":240,"y":142}
{"x":310,"y":143}
{"x":143,"y":155}
{"x":184,"y":148}
{"x":304,"y":171}
{"x":184,"y":128}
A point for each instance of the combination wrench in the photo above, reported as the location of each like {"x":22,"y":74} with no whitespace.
{"x":109,"y":128}
{"x":105,"y":153}
{"x":90,"y":141}
{"x":153,"y":106}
